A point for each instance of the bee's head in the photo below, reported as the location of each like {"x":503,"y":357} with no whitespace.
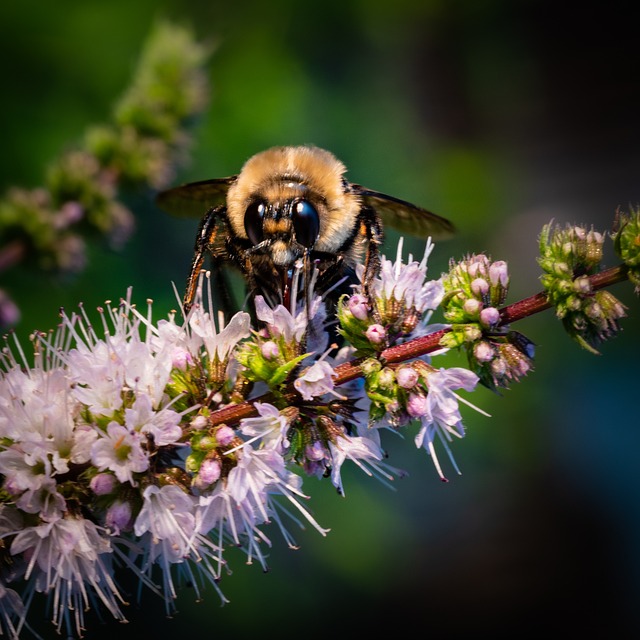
{"x":288,"y":201}
{"x":285,"y":229}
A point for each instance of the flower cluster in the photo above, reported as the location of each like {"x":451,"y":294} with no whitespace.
{"x":397,"y":309}
{"x":418,"y":391}
{"x":568,"y":257}
{"x":474,"y":289}
{"x":153,"y":447}
{"x":626,"y":241}
{"x":111,"y":458}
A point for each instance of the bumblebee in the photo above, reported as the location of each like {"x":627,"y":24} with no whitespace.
{"x":292,"y":205}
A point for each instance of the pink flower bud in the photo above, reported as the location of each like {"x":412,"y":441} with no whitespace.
{"x":224,"y":435}
{"x":417,"y":405}
{"x":209,"y":472}
{"x":483,"y":351}
{"x":479,"y":287}
{"x":103,"y":484}
{"x":118,"y":516}
{"x":199,"y":422}
{"x":270,"y":350}
{"x":358,"y":306}
{"x":489,"y":317}
{"x":472,"y":307}
{"x":498,"y":274}
{"x":407,"y":377}
{"x":376,"y":334}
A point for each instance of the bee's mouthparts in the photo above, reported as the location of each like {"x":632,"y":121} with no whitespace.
{"x":286,"y":284}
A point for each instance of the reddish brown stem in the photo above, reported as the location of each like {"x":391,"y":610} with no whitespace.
{"x":426,"y":344}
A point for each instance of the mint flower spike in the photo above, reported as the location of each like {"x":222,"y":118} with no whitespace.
{"x":403,"y":300}
{"x":474,"y":289}
{"x":626,"y":242}
{"x":104,"y":462}
{"x":568,"y":257}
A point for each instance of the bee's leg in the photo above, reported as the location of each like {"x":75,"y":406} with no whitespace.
{"x":371,"y":228}
{"x":205,"y":239}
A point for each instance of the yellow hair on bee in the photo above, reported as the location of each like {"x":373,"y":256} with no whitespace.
{"x":284,"y":173}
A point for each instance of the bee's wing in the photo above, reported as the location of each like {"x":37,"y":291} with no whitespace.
{"x":194,"y":199}
{"x":404,"y":216}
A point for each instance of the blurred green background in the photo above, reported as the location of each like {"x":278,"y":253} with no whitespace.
{"x":498,"y":115}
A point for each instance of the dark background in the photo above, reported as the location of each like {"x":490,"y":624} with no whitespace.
{"x":498,"y":115}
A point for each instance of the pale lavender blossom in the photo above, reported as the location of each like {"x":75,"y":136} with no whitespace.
{"x":167,"y":530}
{"x":99,"y":376}
{"x":46,"y":501}
{"x":364,"y":452}
{"x":168,"y":516}
{"x":163,"y":425}
{"x":315,"y":380}
{"x":70,"y":559}
{"x":280,"y":321}
{"x":219,"y":339}
{"x":439,"y":413}
{"x":247,"y":500}
{"x":407,"y":282}
{"x":12,"y":612}
{"x":359,"y":306}
{"x":120,"y":450}
{"x":270,"y":427}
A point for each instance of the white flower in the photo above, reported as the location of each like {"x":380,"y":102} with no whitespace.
{"x":408,"y":282}
{"x":238,"y":507}
{"x":439,"y":412}
{"x":315,"y":380}
{"x":362,"y":451}
{"x":218,"y":341}
{"x":45,"y":501}
{"x":271,"y":427}
{"x":70,"y":560}
{"x":120,"y":451}
{"x":280,"y":321}
{"x":168,"y":515}
{"x":167,"y":530}
{"x":292,"y":324}
{"x":98,"y":375}
{"x":164,"y":425}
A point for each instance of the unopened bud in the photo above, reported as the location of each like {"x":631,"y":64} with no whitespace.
{"x":489,"y":317}
{"x":102,"y":484}
{"x":407,"y":377}
{"x":376,"y":334}
{"x":358,"y":306}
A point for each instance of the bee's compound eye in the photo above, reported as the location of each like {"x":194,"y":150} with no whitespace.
{"x":306,"y":223}
{"x":253,"y":221}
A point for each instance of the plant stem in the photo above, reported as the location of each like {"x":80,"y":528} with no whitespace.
{"x":421,"y":346}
